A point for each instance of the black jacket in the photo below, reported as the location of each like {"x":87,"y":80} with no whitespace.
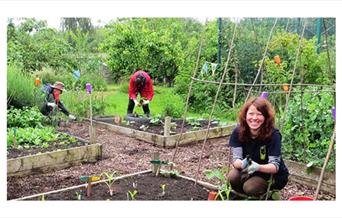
{"x":47,"y":110}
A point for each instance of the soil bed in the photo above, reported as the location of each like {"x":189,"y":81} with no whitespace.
{"x":158,"y":128}
{"x":147,"y":185}
{"x":53,"y":146}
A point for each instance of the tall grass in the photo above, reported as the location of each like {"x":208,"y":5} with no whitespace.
{"x":20,"y":88}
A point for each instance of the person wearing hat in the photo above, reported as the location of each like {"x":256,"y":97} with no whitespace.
{"x":52,"y":101}
{"x":140,"y":82}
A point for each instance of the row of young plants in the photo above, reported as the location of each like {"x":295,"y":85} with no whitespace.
{"x":28,"y":128}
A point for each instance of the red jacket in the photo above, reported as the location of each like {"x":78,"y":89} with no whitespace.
{"x":147,"y":92}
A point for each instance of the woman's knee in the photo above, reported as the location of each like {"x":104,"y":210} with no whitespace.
{"x":234,"y":176}
{"x":255,"y":186}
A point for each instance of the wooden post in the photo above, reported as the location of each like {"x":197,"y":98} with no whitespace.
{"x":89,"y":188}
{"x":167,"y":126}
{"x":155,"y":166}
{"x":92,"y":135}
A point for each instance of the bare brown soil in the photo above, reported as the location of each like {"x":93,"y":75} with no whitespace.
{"x":127,"y":155}
{"x":148,"y":187}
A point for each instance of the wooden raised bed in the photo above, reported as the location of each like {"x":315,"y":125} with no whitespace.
{"x":167,"y":141}
{"x":147,"y":186}
{"x":298,"y":174}
{"x":53,"y":160}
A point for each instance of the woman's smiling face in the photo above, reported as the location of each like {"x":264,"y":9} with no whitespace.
{"x":254,"y":119}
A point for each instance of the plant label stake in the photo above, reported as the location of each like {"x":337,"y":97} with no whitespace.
{"x":91,"y":129}
{"x":156,"y":163}
{"x":155,"y":166}
{"x":89,"y":180}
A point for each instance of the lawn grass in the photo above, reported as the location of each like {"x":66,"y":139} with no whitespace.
{"x":119,"y":100}
{"x":116,"y":100}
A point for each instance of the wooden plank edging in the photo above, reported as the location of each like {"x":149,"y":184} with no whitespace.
{"x":167,"y":141}
{"x":298,"y":174}
{"x":58,"y":159}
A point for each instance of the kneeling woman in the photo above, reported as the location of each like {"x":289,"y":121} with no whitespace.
{"x":256,"y":148}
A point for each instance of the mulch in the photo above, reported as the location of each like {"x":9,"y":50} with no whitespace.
{"x":125,"y":155}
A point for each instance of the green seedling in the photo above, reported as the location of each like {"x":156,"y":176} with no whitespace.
{"x":110,"y":179}
{"x":78,"y":195}
{"x":42,"y":198}
{"x":171,"y":173}
{"x":173,"y":125}
{"x":163,"y":187}
{"x":143,"y":127}
{"x":273,"y":194}
{"x":155,"y":120}
{"x":131,"y":195}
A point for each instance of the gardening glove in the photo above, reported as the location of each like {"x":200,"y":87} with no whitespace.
{"x":72,"y":117}
{"x":244,"y":163}
{"x":145,"y":102}
{"x":136,"y":103}
{"x":51,"y":104}
{"x":253,"y":168}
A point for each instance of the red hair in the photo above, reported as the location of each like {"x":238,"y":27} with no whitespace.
{"x":265,"y":107}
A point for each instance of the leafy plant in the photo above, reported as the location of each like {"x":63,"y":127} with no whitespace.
{"x":303,"y":137}
{"x":25,"y":117}
{"x":173,"y":106}
{"x":155,"y":119}
{"x":172,"y":173}
{"x":224,"y":187}
{"x":28,"y":137}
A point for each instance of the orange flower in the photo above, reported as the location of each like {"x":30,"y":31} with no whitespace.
{"x":277,"y":59}
{"x":37,"y":81}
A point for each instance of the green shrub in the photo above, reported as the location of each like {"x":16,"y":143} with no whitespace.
{"x":50,"y":75}
{"x":173,"y":106}
{"x":123,"y":87}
